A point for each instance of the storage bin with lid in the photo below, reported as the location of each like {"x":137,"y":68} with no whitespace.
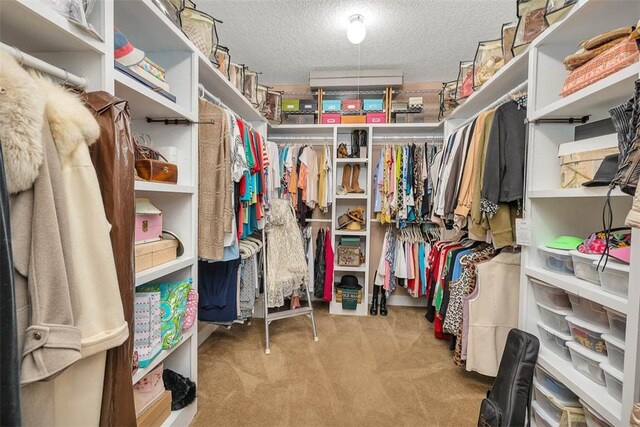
{"x":615,"y":351}
{"x":555,"y":318}
{"x":617,"y":323}
{"x":592,"y":417}
{"x":587,"y":362}
{"x":549,"y":295}
{"x":558,"y":389}
{"x":588,"y":310}
{"x":615,"y":278}
{"x":373,"y":104}
{"x":290,"y":105}
{"x":542,"y":418}
{"x":331,"y":105}
{"x":330,"y":119}
{"x":550,"y":404}
{"x":556,"y":260}
{"x":376,"y":118}
{"x":587,"y":334}
{"x":613,"y":379}
{"x":555,"y":341}
{"x":352,"y":104}
{"x":308,"y":105}
{"x":583,"y":266}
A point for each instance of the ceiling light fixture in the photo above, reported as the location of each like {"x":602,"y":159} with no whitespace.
{"x":356,"y":31}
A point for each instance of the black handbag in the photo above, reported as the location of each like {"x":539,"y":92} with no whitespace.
{"x":508,"y":403}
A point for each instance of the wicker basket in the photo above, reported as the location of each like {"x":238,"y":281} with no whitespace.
{"x":155,"y":253}
{"x":607,"y":63}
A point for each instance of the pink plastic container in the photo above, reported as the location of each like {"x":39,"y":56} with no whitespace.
{"x":376,"y":118}
{"x":330,"y":119}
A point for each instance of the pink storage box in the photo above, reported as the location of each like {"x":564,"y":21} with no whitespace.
{"x":148,"y":389}
{"x":351,"y":104}
{"x":376,"y":118}
{"x":148,"y":222}
{"x":330,"y":119}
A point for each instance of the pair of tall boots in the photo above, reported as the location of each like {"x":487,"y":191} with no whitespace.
{"x":377,"y":290}
{"x":350,"y":180}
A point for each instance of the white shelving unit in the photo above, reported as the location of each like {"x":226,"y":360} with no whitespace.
{"x":553,"y":211}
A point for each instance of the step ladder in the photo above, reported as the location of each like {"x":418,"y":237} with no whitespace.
{"x":286,"y":314}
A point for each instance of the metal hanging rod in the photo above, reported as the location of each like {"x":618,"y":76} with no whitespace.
{"x":172,"y":121}
{"x":561,"y":120}
{"x":393,"y":138}
{"x":32,"y":62}
{"x":505,"y":98}
{"x":319,"y":220}
{"x":416,"y":91}
{"x":204,"y":93}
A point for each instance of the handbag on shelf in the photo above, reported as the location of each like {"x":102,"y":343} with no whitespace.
{"x":201,"y":30}
{"x":223,"y":59}
{"x":488,"y":60}
{"x":151,"y":165}
{"x":272,"y":109}
{"x":531,"y":22}
{"x":236,"y":76}
{"x":250,"y":85}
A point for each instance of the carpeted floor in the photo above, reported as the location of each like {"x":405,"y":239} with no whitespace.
{"x":372,"y":371}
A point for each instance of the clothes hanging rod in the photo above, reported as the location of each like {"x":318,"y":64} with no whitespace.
{"x":300,"y":138}
{"x":504,"y":98}
{"x":204,"y":93}
{"x":319,"y":220}
{"x":34,"y":63}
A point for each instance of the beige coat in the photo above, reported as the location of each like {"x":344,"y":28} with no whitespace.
{"x":493,"y":312}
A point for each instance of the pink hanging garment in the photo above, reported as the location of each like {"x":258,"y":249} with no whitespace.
{"x":328,"y":274}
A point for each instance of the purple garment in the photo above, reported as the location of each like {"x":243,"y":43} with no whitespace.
{"x":465,"y":319}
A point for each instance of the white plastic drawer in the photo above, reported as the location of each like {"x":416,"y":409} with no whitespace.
{"x":587,"y":362}
{"x":558,"y":389}
{"x":587,"y":334}
{"x":593,"y":418}
{"x":615,"y":278}
{"x":583,"y":266}
{"x":588,"y":310}
{"x":613,"y":378}
{"x":555,"y":318}
{"x":617,"y":324}
{"x":615,"y":351}
{"x":556,"y":260}
{"x":550,"y":295}
{"x":555,"y":341}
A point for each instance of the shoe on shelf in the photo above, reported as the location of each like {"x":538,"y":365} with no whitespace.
{"x":355,"y":185}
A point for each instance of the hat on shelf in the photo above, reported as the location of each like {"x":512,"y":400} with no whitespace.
{"x":124,"y":52}
{"x":349,"y":281}
{"x":606,"y":172}
{"x":596,"y":243}
{"x":356,"y":214}
{"x":343,"y":221}
{"x":354,"y":226}
{"x":566,"y":243}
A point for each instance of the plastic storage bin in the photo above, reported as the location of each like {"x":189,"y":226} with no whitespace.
{"x":290,"y":105}
{"x":555,"y":318}
{"x":550,"y":404}
{"x":615,"y":351}
{"x":588,"y":335}
{"x":583,"y":266}
{"x":331,"y":105}
{"x":588,"y":310}
{"x":330,"y":119}
{"x":350,"y":119}
{"x":555,"y":341}
{"x":617,"y":323}
{"x":613,"y":378}
{"x":556,"y":260}
{"x":592,"y":417}
{"x":550,"y":295}
{"x":587,"y":362}
{"x":615,"y":278}
{"x":558,"y":389}
{"x":376,"y":118}
{"x":373,"y":104}
{"x":541,"y":417}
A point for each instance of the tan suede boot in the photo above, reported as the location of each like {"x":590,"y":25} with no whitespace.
{"x":355,"y":186}
{"x":345,"y":187}
{"x":633,"y":218}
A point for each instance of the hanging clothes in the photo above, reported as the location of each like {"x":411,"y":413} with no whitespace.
{"x":218,"y":290}
{"x":328,"y":276}
{"x":319,"y":264}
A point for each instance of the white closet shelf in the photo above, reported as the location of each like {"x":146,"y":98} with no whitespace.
{"x":562,"y":193}
{"x":351,"y":233}
{"x":595,"y":99}
{"x":214,"y":81}
{"x":351,"y":196}
{"x":594,"y":394}
{"x":162,"y":270}
{"x":579,"y":287}
{"x":359,"y":269}
{"x":48,"y":30}
{"x":164,"y":188}
{"x":186,"y":336}
{"x":146,"y":103}
{"x":183,"y":417}
{"x":302,"y":131}
{"x":136,"y":18}
{"x":352,"y":160}
{"x":507,"y":78}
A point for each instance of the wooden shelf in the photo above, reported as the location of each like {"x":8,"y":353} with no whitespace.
{"x":595,"y":99}
{"x":162,"y":270}
{"x":48,"y":31}
{"x":563,"y":193}
{"x":164,"y":188}
{"x":186,"y":336}
{"x":146,"y":103}
{"x":595,"y":395}
{"x":579,"y":287}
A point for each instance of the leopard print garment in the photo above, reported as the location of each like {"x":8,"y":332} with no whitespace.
{"x":470,"y":282}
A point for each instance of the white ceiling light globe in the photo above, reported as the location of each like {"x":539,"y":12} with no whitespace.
{"x":356,"y":31}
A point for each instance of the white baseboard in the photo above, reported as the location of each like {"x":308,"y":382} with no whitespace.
{"x":406,"y":301}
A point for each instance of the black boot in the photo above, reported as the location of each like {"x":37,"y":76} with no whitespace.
{"x":374,"y":301}
{"x":383,"y":304}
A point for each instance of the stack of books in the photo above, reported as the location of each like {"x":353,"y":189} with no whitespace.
{"x":150,"y":74}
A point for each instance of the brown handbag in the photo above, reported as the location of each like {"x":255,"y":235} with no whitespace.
{"x":150,"y":167}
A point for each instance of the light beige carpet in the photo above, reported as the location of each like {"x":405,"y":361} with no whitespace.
{"x":374,"y":371}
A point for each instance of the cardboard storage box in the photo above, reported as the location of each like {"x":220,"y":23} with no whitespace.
{"x":351,"y":104}
{"x":330,"y":119}
{"x":416,"y":102}
{"x":310,"y":105}
{"x":376,"y":118}
{"x":349,"y":256}
{"x":331,"y":105}
{"x":148,"y":227}
{"x":157,"y":413}
{"x":373,"y":104}
{"x":354,"y":119}
{"x":409,"y":118}
{"x":399,"y":106}
{"x":155,"y":253}
{"x":580,"y":160}
{"x":290,"y":104}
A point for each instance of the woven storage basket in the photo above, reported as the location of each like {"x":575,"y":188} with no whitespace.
{"x":607,"y":63}
{"x":155,"y":253}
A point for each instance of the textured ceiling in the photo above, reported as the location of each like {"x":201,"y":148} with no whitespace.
{"x":286,"y":39}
